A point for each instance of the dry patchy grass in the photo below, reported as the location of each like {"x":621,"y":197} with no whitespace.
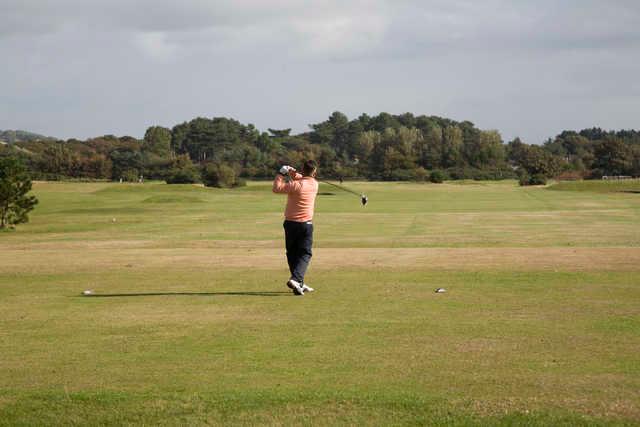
{"x":190,"y":324}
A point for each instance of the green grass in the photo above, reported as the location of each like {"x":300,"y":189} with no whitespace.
{"x":603,"y":186}
{"x":191,"y":322}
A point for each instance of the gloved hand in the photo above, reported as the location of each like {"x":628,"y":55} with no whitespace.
{"x":284,"y":170}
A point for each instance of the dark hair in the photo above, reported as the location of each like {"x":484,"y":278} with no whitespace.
{"x":309,"y":167}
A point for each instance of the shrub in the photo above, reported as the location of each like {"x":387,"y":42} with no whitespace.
{"x":402,"y":175}
{"x":460,"y":173}
{"x":221,"y":176}
{"x":183,"y":171}
{"x":536,"y":179}
{"x":493,"y":174}
{"x":436,"y":176}
{"x":251,"y":171}
{"x":570,"y":176}
{"x":130,"y":175}
{"x":421,"y":174}
{"x":487,"y":174}
{"x":523,"y":178}
{"x":182,"y":176}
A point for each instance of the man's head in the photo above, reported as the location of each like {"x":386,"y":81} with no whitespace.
{"x":310,"y":168}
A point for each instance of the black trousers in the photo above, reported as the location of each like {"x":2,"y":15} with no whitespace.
{"x":299,"y":239}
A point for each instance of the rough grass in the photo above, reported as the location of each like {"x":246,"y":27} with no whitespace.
{"x":603,"y":186}
{"x":191,"y":323}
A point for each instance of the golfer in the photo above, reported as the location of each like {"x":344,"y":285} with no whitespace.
{"x":301,"y":190}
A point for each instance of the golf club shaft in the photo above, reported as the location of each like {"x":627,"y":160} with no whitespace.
{"x":340,"y":187}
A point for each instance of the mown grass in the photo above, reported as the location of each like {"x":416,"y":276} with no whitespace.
{"x":117,"y":408}
{"x":181,"y":342}
{"x":398,"y":215}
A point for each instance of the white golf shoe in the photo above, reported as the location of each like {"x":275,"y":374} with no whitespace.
{"x":296,"y":287}
{"x":307,"y":288}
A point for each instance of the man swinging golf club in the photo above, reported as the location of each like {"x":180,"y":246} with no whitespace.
{"x":301,"y":190}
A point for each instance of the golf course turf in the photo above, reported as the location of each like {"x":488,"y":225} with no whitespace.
{"x":190,"y":321}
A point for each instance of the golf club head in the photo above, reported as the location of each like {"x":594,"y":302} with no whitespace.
{"x":364,"y":199}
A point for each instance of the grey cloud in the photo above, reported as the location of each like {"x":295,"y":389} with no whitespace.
{"x":515,"y":26}
{"x":340,"y":29}
{"x":84,"y":67}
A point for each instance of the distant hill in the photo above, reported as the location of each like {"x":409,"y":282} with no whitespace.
{"x":11,"y":136}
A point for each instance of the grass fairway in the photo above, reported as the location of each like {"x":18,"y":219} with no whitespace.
{"x":191,"y":322}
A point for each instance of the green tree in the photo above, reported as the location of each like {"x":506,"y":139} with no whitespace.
{"x":384,"y":121}
{"x":407,"y":120}
{"x":451,"y":146}
{"x":366,"y":144}
{"x":365,"y":121}
{"x":538,"y":165}
{"x":96,"y":166}
{"x":280,"y":133}
{"x":516,"y":151}
{"x":126,"y":163}
{"x":431,"y":155}
{"x":178,"y":137}
{"x":491,"y":151}
{"x":334,"y":132}
{"x":155,"y":166}
{"x":613,"y":157}
{"x":575,"y":149}
{"x":393,"y":156}
{"x":157,"y":140}
{"x":15,"y":184}
{"x":352,"y":139}
{"x":215,"y":139}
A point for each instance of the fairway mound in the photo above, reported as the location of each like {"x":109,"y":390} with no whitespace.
{"x":172,"y":199}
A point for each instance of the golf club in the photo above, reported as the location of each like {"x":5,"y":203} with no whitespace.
{"x":363,"y":197}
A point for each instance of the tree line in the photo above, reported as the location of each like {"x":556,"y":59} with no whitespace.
{"x":223,"y":152}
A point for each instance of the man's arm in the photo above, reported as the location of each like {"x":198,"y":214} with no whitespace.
{"x":280,"y":185}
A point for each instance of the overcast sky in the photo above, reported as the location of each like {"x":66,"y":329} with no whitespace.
{"x":82,"y":68}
